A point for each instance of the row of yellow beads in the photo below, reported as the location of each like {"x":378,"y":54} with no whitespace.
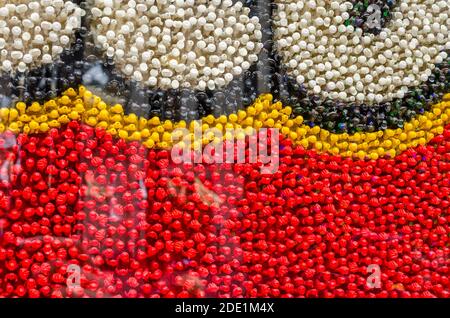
{"x":154,"y":133}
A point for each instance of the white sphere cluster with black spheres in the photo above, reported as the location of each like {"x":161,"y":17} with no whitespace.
{"x":171,"y":44}
{"x":341,"y":62}
{"x":33,"y":33}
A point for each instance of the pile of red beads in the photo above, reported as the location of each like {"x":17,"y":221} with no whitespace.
{"x":139,"y":225}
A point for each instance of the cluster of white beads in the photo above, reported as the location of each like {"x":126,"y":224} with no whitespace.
{"x":177,"y":43}
{"x":33,"y":33}
{"x":341,"y":62}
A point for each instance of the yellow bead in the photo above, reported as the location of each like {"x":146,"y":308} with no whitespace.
{"x":24,"y":118}
{"x":117,"y":125}
{"x":233,"y":118}
{"x":318,"y":145}
{"x":181,"y":124}
{"x":123,"y":134}
{"x":228,"y":136}
{"x":91,"y":121}
{"x":145,"y":133}
{"x":54,"y":124}
{"x":103,"y":115}
{"x":277,"y":105}
{"x":289,"y":123}
{"x":298,"y":120}
{"x":154,"y":121}
{"x":210,"y":119}
{"x":51,"y":104}
{"x":102,"y":105}
{"x":79,"y":108}
{"x":97,"y":101}
{"x":343,"y":145}
{"x":263,"y":116}
{"x":240,"y":135}
{"x":312,"y":139}
{"x":64,"y":119}
{"x":81,"y":90}
{"x":301,"y":132}
{"x":117,"y":109}
{"x":196,"y":145}
{"x":13,"y":114}
{"x":241,"y":114}
{"x":33,"y":125}
{"x":70,"y":92}
{"x":74,"y":115}
{"x":356,"y":137}
{"x":293,"y":135}
{"x":142,"y":123}
{"x":14,"y":127}
{"x":334,"y":138}
{"x":387,"y":143}
{"x":222,"y":119}
{"x":250,"y":110}
{"x":285,"y":130}
{"x":428,"y":124}
{"x":44,"y":127}
{"x":249,"y":131}
{"x":248,"y":121}
{"x":41,"y":119}
{"x":353,"y":147}
{"x":270,"y":122}
{"x":155,"y":137}
{"x":315,"y":130}
{"x":4,"y":114}
{"x":135,"y":136}
{"x":149,"y":143}
{"x":287,"y":110}
{"x":324,"y":134}
{"x":131,"y":119}
{"x":403,"y":136}
{"x":167,"y":137}
{"x":116,"y":119}
{"x":20,"y":106}
{"x":361,"y":154}
{"x":259,"y":107}
{"x":92,"y":112}
{"x":168,"y":125}
{"x":412,"y":135}
{"x":64,"y":100}
{"x":102,"y":124}
{"x":273,"y":114}
{"x":64,"y":110}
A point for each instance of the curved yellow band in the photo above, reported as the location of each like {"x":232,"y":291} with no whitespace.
{"x":90,"y":109}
